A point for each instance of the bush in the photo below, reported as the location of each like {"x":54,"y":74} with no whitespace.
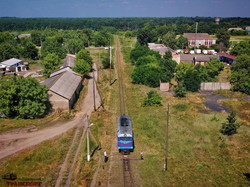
{"x":230,"y":127}
{"x":152,"y":99}
{"x":180,"y":91}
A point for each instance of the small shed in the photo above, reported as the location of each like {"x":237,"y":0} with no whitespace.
{"x":225,"y":57}
{"x":64,"y":89}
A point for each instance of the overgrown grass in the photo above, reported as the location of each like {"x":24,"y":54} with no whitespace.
{"x":241,"y":108}
{"x":198,"y":154}
{"x":228,"y":93}
{"x":40,"y":162}
{"x":240,"y":38}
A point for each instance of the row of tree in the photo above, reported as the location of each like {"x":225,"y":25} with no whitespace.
{"x":59,"y":42}
{"x":180,"y":24}
{"x":13,"y":47}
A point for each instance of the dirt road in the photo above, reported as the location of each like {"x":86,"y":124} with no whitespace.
{"x":15,"y":141}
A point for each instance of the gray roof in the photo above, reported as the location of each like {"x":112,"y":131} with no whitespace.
{"x":198,"y":36}
{"x":61,"y":71}
{"x":69,"y":61}
{"x":64,"y":84}
{"x":161,"y":48}
{"x":11,"y":62}
{"x":199,"y":58}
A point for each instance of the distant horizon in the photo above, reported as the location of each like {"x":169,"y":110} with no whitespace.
{"x":123,"y":8}
{"x":131,"y":17}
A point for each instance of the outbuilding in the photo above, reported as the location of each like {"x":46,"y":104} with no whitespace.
{"x":64,"y":89}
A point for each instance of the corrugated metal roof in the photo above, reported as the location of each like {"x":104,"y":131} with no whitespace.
{"x":11,"y":62}
{"x":226,"y":55}
{"x":64,"y":84}
{"x":198,"y":36}
{"x":61,"y":71}
{"x":69,"y":61}
{"x":198,"y":58}
{"x":51,"y":81}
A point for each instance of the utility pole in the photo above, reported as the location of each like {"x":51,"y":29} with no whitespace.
{"x":88,"y":155}
{"x":196,"y":29}
{"x":110,"y":62}
{"x":94,"y":89}
{"x":167,"y":132}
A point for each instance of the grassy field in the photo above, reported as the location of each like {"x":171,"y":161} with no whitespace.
{"x":198,"y":154}
{"x":240,"y":38}
{"x":40,"y":163}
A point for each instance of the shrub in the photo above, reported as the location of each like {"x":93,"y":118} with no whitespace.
{"x":230,"y":127}
{"x":180,"y":91}
{"x":152,"y":99}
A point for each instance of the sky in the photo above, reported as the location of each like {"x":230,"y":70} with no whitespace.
{"x":124,"y":8}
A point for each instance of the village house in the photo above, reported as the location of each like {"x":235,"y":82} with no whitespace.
{"x":198,"y":39}
{"x":194,"y":59}
{"x":160,"y":48}
{"x":13,"y":64}
{"x":64,"y":88}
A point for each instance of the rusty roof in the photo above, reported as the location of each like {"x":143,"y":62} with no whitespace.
{"x":198,"y":36}
{"x":226,"y":55}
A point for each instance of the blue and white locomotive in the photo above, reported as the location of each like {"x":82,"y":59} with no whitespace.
{"x":125,"y":134}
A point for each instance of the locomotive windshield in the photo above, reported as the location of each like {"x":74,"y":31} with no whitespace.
{"x":125,"y":138}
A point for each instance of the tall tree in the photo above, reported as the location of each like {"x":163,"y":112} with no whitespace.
{"x":8,"y":51}
{"x":29,"y":50}
{"x":50,"y":63}
{"x":53,"y":45}
{"x":241,"y":48}
{"x":182,"y":42}
{"x":223,"y":37}
{"x":146,"y":35}
{"x":169,"y":39}
{"x":85,"y":55}
{"x":240,"y":77}
{"x":73,"y":46}
{"x":23,"y":98}
{"x":82,"y":66}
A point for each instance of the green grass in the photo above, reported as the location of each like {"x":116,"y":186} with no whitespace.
{"x":228,"y":93}
{"x":241,"y":108}
{"x":240,"y":38}
{"x":198,"y":154}
{"x":40,"y":162}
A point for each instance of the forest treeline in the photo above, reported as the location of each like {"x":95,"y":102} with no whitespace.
{"x":182,"y":24}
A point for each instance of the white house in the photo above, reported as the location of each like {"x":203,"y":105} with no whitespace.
{"x":13,"y":64}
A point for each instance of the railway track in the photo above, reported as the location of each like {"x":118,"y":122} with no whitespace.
{"x":127,"y":175}
{"x":120,"y":70}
